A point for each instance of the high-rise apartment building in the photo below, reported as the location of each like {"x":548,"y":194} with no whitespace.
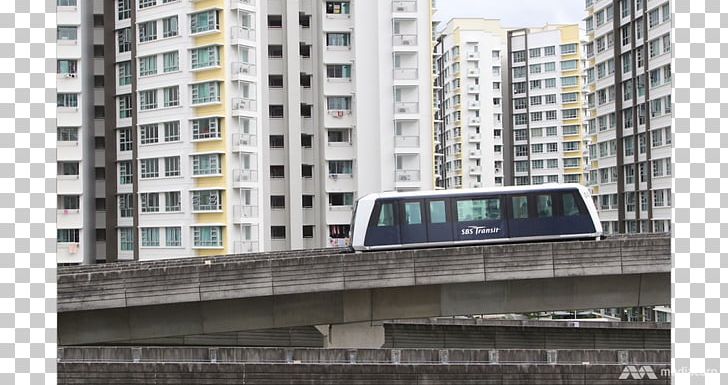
{"x":543,"y":140}
{"x":469,"y":99}
{"x":236,"y":126}
{"x":81,"y":218}
{"x":629,"y":80}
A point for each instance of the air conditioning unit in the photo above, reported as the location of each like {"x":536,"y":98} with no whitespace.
{"x":244,"y":70}
{"x":472,"y":152}
{"x":399,"y":8}
{"x":405,"y":42}
{"x":402,"y":109}
{"x":404,"y":177}
{"x":473,"y":169}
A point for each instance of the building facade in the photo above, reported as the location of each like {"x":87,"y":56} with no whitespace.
{"x":629,"y":80}
{"x":468,"y":104}
{"x":543,"y":140}
{"x":240,"y":126}
{"x":81,"y":204}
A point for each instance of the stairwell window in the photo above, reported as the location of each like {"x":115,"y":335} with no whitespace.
{"x":208,"y":164}
{"x":208,"y":92}
{"x":204,"y":21}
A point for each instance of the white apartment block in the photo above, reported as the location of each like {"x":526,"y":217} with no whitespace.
{"x":247,"y":125}
{"x":468,"y":113}
{"x":629,"y":80}
{"x":544,"y":131}
{"x":81,"y":219}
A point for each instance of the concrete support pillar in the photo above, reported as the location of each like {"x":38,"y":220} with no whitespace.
{"x":361,"y":335}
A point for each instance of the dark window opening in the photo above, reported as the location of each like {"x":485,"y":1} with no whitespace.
{"x":307,"y":171}
{"x":276,"y":141}
{"x":305,"y":50}
{"x":275,"y":51}
{"x":307,"y":201}
{"x":278,"y":232}
{"x":275,"y":81}
{"x":277,"y":172}
{"x":277,"y":201}
{"x":275,"y":111}
{"x":306,"y":80}
{"x":98,"y":50}
{"x":99,"y":112}
{"x":306,"y":141}
{"x":308,"y":231}
{"x":304,"y":20}
{"x":306,"y":110}
{"x":275,"y":21}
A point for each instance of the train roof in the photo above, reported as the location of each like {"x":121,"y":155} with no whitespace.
{"x":458,"y":192}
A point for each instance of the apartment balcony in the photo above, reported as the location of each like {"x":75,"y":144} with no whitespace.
{"x":68,"y":218}
{"x":405,"y":73}
{"x":405,"y":178}
{"x":406,"y":107}
{"x":244,"y":177}
{"x":244,"y":142}
{"x":242,"y":247}
{"x":248,"y":5}
{"x":242,"y":36}
{"x":404,"y":6}
{"x":69,"y":184}
{"x":406,"y":141}
{"x":69,"y":252}
{"x":244,"y":213}
{"x":338,"y":118}
{"x":243,"y":71}
{"x":68,"y":82}
{"x":404,"y":41}
{"x":68,"y":150}
{"x":242,"y":106}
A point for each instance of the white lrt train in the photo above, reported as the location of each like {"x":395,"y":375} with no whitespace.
{"x":395,"y":220}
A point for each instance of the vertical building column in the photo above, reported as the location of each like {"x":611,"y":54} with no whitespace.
{"x":110,"y":81}
{"x":293,"y":117}
{"x":88,"y":197}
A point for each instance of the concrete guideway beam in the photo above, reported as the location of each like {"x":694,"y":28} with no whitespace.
{"x":364,"y":305}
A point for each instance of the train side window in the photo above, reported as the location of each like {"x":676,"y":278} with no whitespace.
{"x":520,"y":207}
{"x":386,"y":215}
{"x":412,"y":213}
{"x":478,"y":209}
{"x":544,"y":206}
{"x":437,"y":212}
{"x":571,"y":207}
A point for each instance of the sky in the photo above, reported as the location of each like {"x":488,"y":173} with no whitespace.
{"x":513,"y":13}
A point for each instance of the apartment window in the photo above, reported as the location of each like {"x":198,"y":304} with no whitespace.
{"x":276,"y":141}
{"x":338,"y":39}
{"x":535,"y":148}
{"x":307,"y":201}
{"x":338,"y":71}
{"x":536,"y":132}
{"x":552,"y":147}
{"x":569,"y":97}
{"x":535,"y":84}
{"x":124,"y":9}
{"x":568,"y":65}
{"x":552,"y":163}
{"x":306,"y":141}
{"x":340,"y":167}
{"x":277,"y":171}
{"x":519,"y":56}
{"x":275,"y":21}
{"x":125,"y":143}
{"x":567,"y":81}
{"x":67,"y":100}
{"x":207,"y":92}
{"x":571,"y":113}
{"x":519,"y":88}
{"x":536,"y":117}
{"x":308,"y":231}
{"x":549,"y":51}
{"x":338,"y":8}
{"x":521,"y":166}
{"x":148,"y":65}
{"x":534,"y":52}
{"x":149,"y":133}
{"x":124,"y":37}
{"x":68,"y":236}
{"x":147,"y":31}
{"x":571,"y":146}
{"x":207,"y":236}
{"x":171,"y":166}
{"x":207,"y":200}
{"x":341,"y":199}
{"x":125,"y":172}
{"x":550,"y":83}
{"x":549,"y":67}
{"x":147,"y":3}
{"x":67,"y":134}
{"x":171,"y":61}
{"x":204,"y":21}
{"x":534,"y":68}
{"x":275,"y":111}
{"x":551,"y":115}
{"x":662,"y":198}
{"x":536,"y":100}
{"x":277,"y":201}
{"x":520,"y":119}
{"x":275,"y":81}
{"x":149,"y":168}
{"x":339,"y":136}
{"x":67,"y":33}
{"x":338,"y":103}
{"x":149,"y":202}
{"x":171,"y":96}
{"x":521,"y":150}
{"x":68,"y":168}
{"x":125,"y":73}
{"x":172,"y":201}
{"x":205,"y":57}
{"x":171,"y":131}
{"x":550,"y":99}
{"x":569,"y":130}
{"x":519,"y":72}
{"x":278,"y":232}
{"x":147,"y":100}
{"x":207,"y":164}
{"x":275,"y":51}
{"x":66,"y":66}
{"x":173,"y":236}
{"x":304,"y":20}
{"x":170,"y":26}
